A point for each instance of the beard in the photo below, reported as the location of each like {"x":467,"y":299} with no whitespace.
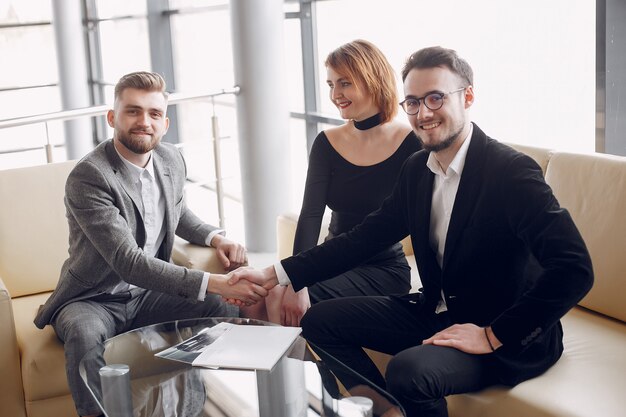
{"x":446,"y":143}
{"x":138,"y":145}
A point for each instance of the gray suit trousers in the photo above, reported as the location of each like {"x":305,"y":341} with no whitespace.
{"x":84,"y":324}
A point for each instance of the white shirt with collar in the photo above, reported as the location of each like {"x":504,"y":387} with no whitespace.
{"x":153,"y":214}
{"x":445,"y":187}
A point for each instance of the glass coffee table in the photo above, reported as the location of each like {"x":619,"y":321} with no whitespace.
{"x":127,"y":379}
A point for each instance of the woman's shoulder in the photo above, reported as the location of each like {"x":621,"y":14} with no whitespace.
{"x":323,"y":148}
{"x":321,"y":141}
{"x":338,"y":139}
{"x":336,"y":133}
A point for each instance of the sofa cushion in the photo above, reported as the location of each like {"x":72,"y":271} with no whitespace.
{"x":42,"y":357}
{"x":588,"y":380}
{"x":416,"y":283}
{"x":593,"y":189}
{"x":194,"y":256}
{"x":34,"y":238}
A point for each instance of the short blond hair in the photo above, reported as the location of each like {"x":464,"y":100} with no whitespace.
{"x":141,"y":80}
{"x":365,"y":64}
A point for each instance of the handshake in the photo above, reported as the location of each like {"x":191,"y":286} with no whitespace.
{"x":244,"y":286}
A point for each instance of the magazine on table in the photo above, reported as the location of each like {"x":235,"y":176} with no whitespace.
{"x":229,"y":345}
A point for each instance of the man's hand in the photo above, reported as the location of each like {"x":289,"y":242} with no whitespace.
{"x":242,"y":292}
{"x":265,"y":277}
{"x":232,"y":255}
{"x":293,"y":306}
{"x":467,"y":338}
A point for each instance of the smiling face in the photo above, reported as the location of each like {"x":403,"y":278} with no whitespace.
{"x":139,"y":120}
{"x":439,"y":129}
{"x":353,"y":102}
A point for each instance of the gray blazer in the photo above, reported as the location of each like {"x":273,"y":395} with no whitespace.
{"x":107,"y":234}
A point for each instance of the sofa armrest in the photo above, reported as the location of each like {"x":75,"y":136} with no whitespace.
{"x":285,"y":234}
{"x":198,"y":257}
{"x":11,"y":391}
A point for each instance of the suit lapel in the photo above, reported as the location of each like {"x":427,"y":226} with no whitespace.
{"x":429,"y":269}
{"x":423,"y":206}
{"x":124,"y":178}
{"x":164,"y":177}
{"x":467,"y":194}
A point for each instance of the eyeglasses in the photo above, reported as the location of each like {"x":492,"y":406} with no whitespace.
{"x":433,"y":101}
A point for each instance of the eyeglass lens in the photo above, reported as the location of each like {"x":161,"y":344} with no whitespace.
{"x":433,"y":101}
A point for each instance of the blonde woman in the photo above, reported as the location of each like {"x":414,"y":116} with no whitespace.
{"x":352,"y":168}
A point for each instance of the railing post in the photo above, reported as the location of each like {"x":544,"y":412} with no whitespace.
{"x":48,"y":147}
{"x":217,"y":157}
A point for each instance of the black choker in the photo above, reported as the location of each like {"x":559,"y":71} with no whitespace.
{"x":368,"y":123}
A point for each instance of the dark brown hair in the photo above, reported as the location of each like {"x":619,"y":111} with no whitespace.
{"x":436,"y":56}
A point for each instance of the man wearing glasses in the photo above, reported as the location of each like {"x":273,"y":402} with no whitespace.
{"x":500,"y":261}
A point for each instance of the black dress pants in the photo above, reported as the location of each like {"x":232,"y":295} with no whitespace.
{"x":419,"y":376}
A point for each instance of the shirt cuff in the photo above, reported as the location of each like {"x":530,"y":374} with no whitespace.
{"x":204,"y":286}
{"x":211,"y":235}
{"x":283,"y":278}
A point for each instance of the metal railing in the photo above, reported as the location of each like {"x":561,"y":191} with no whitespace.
{"x":174,"y":98}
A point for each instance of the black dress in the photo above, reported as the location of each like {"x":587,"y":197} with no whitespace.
{"x":352,"y":192}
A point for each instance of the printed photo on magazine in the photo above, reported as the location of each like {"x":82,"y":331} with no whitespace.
{"x":191,"y":348}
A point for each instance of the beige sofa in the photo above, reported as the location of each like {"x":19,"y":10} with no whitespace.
{"x":33,"y":245}
{"x":590,"y":379}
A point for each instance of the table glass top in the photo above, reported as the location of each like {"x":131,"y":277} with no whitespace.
{"x":127,"y":379}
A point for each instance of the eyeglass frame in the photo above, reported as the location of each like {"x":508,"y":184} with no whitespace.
{"x":421,"y":100}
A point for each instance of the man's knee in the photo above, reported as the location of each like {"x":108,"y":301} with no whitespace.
{"x":315,"y":322}
{"x":416,"y":373}
{"x":82,"y":327}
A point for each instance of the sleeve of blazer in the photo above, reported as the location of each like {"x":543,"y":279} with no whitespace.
{"x":548,"y":230}
{"x":191,"y":227}
{"x":385,"y":226}
{"x":91,"y":200}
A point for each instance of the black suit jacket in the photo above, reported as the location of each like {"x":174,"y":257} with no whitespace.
{"x":513,"y":257}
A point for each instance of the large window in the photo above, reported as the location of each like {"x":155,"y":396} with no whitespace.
{"x":28,"y":81}
{"x":534,"y":64}
{"x":533,"y":60}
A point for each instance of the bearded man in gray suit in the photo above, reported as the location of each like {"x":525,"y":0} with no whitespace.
{"x":124,"y":205}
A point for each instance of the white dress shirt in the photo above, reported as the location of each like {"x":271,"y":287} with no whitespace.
{"x":445,"y":187}
{"x":153,"y":214}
